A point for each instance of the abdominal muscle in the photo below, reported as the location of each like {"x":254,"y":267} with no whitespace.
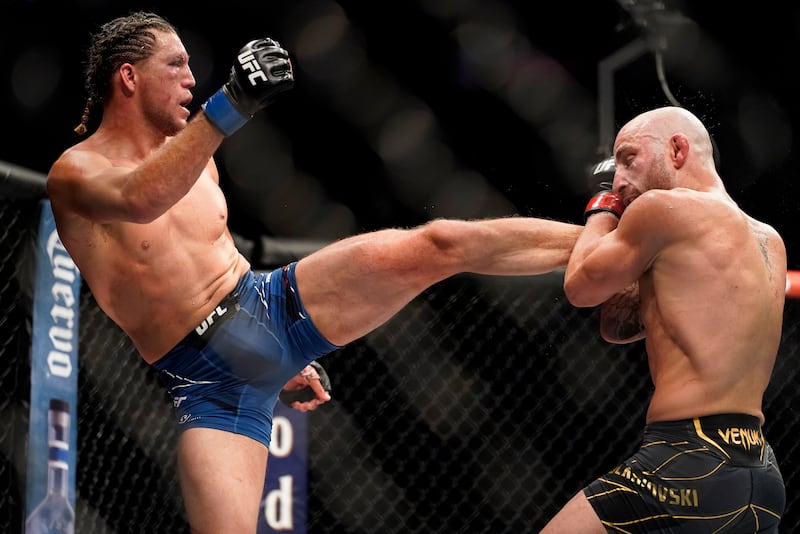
{"x":158,"y":281}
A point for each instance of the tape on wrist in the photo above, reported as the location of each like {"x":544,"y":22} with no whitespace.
{"x":222,"y":113}
{"x":306,"y":394}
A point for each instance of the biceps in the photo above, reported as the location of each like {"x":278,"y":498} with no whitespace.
{"x":94,"y":203}
{"x":98,"y":197}
{"x":610,"y":268}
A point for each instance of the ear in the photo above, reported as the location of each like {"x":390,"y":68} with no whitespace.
{"x":127,"y":78}
{"x":679,"y":149}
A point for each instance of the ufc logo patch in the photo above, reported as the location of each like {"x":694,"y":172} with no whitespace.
{"x":607,"y":165}
{"x":219,"y":311}
{"x":248,"y":62}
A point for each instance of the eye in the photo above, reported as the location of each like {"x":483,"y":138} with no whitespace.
{"x":178,"y":61}
{"x":627,"y":161}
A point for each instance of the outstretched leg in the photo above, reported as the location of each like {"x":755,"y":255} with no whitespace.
{"x":351,"y":287}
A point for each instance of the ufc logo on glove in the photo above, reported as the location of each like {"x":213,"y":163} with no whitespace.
{"x":248,"y":62}
{"x":261,"y":71}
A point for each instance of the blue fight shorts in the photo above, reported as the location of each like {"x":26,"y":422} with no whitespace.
{"x":709,"y":474}
{"x":227,"y":373}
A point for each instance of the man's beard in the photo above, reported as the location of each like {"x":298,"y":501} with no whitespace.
{"x":165,"y":123}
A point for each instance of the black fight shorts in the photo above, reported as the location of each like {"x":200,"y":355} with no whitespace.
{"x":710,"y":474}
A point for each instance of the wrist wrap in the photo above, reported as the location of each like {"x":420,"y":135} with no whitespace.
{"x":306,"y":394}
{"x":222,"y":113}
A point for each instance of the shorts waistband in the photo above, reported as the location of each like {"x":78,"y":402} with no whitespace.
{"x":224,"y":310}
{"x":739,"y":437}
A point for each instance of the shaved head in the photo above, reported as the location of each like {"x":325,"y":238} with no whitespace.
{"x":662,"y":123}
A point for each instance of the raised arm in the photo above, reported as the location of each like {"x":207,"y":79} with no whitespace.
{"x":91,"y":185}
{"x":104,"y":182}
{"x":614,"y":250}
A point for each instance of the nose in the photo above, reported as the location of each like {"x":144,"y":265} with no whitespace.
{"x":620,"y":184}
{"x":190,"y":81}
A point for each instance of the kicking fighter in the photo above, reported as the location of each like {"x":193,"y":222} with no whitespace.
{"x":139,"y":208}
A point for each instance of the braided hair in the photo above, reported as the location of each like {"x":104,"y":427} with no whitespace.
{"x":123,"y":40}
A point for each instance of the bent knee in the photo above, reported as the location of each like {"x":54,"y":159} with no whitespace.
{"x":577,"y":516}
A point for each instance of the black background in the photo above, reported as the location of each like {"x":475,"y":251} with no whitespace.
{"x":742,"y":83}
{"x":755,"y":60}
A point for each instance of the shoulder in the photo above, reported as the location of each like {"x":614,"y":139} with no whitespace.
{"x":88,"y":156}
{"x":661,"y":217}
{"x":680,"y":204}
{"x":657,"y":206}
{"x":679,"y":197}
{"x":761,"y":227}
{"x":767,"y":236}
{"x":75,"y":166}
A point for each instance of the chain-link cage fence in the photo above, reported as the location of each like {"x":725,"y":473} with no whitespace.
{"x":481,"y":408}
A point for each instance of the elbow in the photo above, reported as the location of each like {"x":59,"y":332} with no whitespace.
{"x":142,"y":215}
{"x":140,"y":203}
{"x":141,"y":209}
{"x":580,"y":291}
{"x":126,"y":211}
{"x":578,"y":299}
{"x":573,"y":292}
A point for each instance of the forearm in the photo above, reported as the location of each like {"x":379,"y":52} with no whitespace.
{"x":584,"y":275}
{"x":261,"y":71}
{"x":596,"y":227}
{"x":170,"y":172}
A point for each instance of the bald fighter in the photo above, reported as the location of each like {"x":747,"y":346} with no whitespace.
{"x":670,"y":257}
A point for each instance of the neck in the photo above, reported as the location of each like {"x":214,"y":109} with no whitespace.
{"x":130,"y":137}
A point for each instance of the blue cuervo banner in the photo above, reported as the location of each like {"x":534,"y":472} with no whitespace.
{"x":50,"y":491}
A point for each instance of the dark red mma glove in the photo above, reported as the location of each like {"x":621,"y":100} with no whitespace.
{"x":604,"y":201}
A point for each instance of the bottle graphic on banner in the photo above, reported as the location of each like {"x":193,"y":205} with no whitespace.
{"x":54,"y":515}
